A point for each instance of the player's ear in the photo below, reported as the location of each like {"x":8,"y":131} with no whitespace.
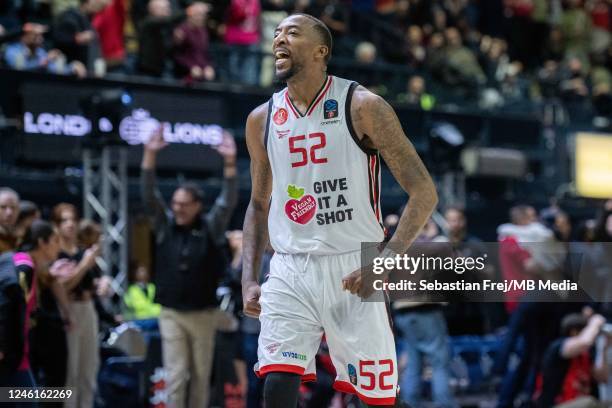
{"x":322,"y":52}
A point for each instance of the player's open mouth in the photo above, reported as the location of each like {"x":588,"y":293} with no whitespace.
{"x":282,"y":56}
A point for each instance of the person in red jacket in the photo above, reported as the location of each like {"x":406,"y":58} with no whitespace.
{"x":109,"y":25}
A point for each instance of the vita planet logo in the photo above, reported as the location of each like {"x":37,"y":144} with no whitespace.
{"x":134,"y":129}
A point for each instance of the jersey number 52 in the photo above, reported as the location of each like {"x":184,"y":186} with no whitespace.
{"x":296,"y":147}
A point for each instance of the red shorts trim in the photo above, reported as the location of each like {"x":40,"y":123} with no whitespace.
{"x":285,"y":368}
{"x":348,"y":388}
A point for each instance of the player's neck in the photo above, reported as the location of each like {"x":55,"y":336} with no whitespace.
{"x":304,"y":88}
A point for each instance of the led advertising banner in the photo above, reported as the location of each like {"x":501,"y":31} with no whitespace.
{"x":54,"y":123}
{"x":593,"y":164}
{"x":54,"y":109}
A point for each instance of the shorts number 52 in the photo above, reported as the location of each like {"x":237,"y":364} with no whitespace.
{"x":366,"y":372}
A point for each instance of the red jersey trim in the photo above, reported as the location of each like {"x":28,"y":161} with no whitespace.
{"x":317,"y":100}
{"x":324,"y":88}
{"x":348,"y":388}
{"x":285,"y":368}
{"x":290,"y":104}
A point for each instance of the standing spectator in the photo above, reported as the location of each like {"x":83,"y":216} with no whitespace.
{"x":527,"y":248}
{"x":155,"y":37}
{"x":423,"y":335}
{"x":82,"y":340}
{"x":188,"y":266}
{"x":28,"y":212}
{"x":191,"y":59}
{"x":30,"y":55}
{"x":242,"y":27}
{"x":335,"y":15}
{"x":8,"y":240}
{"x":74,"y":35}
{"x":109,"y":24}
{"x":20,"y":280}
{"x":9,"y":207}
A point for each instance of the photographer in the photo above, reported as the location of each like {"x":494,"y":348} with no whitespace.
{"x":188,"y":265}
{"x":569,"y":369}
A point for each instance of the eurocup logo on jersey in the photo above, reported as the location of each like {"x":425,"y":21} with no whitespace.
{"x":300,"y":208}
{"x":352,"y":372}
{"x":280,"y":116}
{"x":330,"y":109}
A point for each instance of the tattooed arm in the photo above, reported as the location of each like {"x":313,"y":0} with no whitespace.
{"x":378,"y":127}
{"x":256,"y":219}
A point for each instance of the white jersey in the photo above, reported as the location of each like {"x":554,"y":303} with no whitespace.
{"x":326,"y":186}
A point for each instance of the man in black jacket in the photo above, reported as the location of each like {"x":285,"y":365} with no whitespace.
{"x":74,"y":35}
{"x":188,"y":266}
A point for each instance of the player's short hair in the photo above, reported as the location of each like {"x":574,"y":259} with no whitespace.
{"x":322,"y":31}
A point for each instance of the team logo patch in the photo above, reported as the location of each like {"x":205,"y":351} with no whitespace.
{"x":280,"y":116}
{"x":272,"y":347}
{"x":352,"y":372}
{"x":300,"y":208}
{"x":330,"y":109}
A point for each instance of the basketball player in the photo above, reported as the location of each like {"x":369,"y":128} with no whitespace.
{"x":315,"y":152}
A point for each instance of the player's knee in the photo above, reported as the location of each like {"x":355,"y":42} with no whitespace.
{"x":281,"y":390}
{"x":282,"y":381}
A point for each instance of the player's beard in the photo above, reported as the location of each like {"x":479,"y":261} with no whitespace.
{"x":285,"y":76}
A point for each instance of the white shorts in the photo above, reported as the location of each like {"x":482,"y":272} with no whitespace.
{"x":301,"y":301}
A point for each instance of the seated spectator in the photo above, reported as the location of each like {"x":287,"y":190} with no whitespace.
{"x":461,"y":67}
{"x":416,"y":94}
{"x":74,"y":35}
{"x":139,"y":297}
{"x":29,"y":54}
{"x":568,"y":369}
{"x":59,"y":6}
{"x":548,"y":79}
{"x":191,"y":58}
{"x":155,"y":37}
{"x":365,"y":53}
{"x":416,"y":51}
{"x":576,"y":27}
{"x":574,"y":84}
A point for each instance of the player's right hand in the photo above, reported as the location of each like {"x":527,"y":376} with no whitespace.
{"x":250,"y":299}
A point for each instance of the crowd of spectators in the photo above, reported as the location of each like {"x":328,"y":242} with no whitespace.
{"x":52,"y":297}
{"x":496,"y":53}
